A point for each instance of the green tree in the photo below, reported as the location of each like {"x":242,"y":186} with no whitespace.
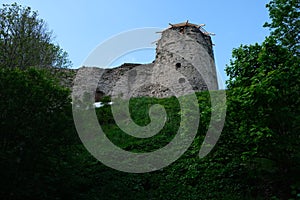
{"x":264,"y":105}
{"x":26,"y":41}
{"x":36,"y":135}
{"x":285,"y":23}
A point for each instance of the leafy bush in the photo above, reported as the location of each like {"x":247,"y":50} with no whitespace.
{"x":35,"y":129}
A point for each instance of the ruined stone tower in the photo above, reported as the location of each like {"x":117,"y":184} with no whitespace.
{"x":188,"y":48}
{"x":184,"y":64}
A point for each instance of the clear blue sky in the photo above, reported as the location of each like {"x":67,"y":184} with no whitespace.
{"x":80,"y":25}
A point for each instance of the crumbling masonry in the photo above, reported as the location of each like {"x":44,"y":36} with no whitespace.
{"x":184,"y":64}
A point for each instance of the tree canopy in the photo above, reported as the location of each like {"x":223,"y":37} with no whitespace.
{"x":285,"y":23}
{"x":264,"y":90}
{"x":26,"y":41}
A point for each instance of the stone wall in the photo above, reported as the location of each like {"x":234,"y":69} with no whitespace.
{"x":184,"y":63}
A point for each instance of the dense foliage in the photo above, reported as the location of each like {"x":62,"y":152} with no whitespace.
{"x":25,"y":40}
{"x":47,"y":160}
{"x":285,"y":23}
{"x":264,"y":104}
{"x":35,"y":127}
{"x":264,"y":114}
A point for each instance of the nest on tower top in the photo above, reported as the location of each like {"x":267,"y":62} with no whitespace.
{"x":187,"y":24}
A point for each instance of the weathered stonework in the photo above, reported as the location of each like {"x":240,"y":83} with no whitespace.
{"x":184,"y":64}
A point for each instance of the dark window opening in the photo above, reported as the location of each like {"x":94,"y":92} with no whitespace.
{"x":99,"y":95}
{"x":181,"y":30}
{"x":178,"y":65}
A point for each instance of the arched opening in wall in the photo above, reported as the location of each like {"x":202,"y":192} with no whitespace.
{"x":178,"y":65}
{"x":99,"y":95}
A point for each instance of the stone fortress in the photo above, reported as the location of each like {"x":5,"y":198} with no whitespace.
{"x":184,"y":64}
